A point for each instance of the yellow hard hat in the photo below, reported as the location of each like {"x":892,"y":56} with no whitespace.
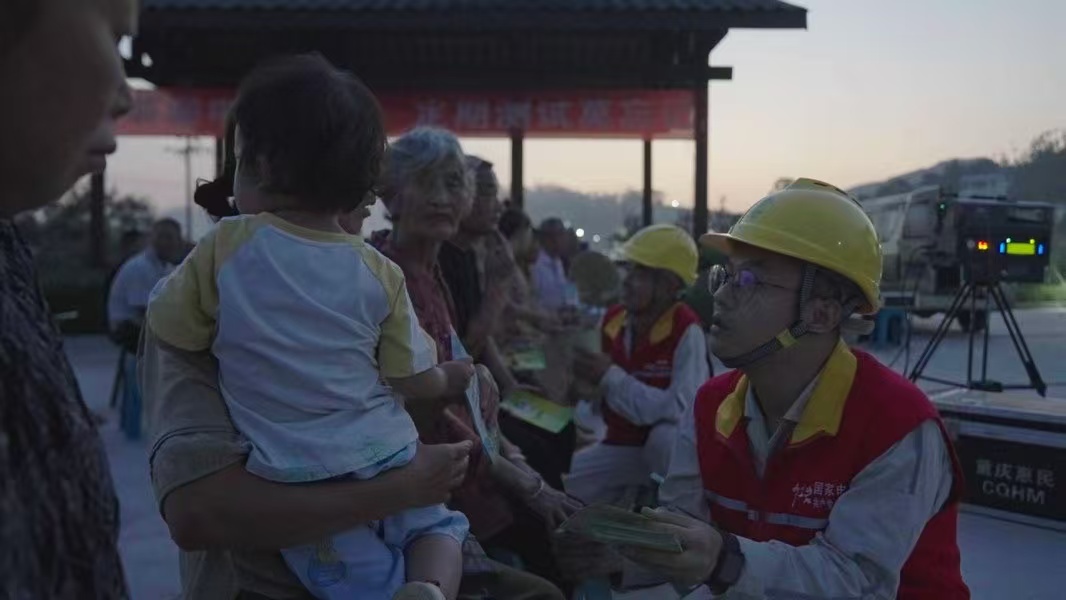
{"x":663,"y":247}
{"x":816,"y":223}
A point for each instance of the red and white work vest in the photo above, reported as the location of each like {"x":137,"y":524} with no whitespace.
{"x":857,"y":411}
{"x":651,"y":362}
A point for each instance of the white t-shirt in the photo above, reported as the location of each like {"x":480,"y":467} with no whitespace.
{"x":132,"y":285}
{"x":305,"y":324}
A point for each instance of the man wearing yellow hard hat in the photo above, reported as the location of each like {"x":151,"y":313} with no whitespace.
{"x":653,"y":359}
{"x":813,"y":471}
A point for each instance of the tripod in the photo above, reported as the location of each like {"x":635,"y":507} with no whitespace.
{"x":970,"y":290}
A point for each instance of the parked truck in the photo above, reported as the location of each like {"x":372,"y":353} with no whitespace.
{"x":922,"y":271}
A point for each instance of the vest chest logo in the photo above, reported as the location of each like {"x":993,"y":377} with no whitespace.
{"x":819,"y":495}
{"x":660,"y":368}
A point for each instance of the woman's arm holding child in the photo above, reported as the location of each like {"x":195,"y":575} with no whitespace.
{"x":209,"y":500}
{"x":444,"y":380}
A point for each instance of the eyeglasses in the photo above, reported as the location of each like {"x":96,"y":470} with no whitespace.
{"x":743,"y":281}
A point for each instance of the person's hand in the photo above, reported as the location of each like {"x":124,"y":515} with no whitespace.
{"x":580,"y":558}
{"x":457,"y":427}
{"x":569,"y":316}
{"x":490,"y":396}
{"x":435,"y":471}
{"x":701,"y":545}
{"x":457,"y":374}
{"x":552,"y":506}
{"x":497,"y":296}
{"x":533,"y":389}
{"x":591,"y":366}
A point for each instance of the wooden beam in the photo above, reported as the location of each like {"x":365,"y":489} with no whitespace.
{"x":517,"y":189}
{"x":699,"y":208}
{"x":489,"y":60}
{"x":720,"y":73}
{"x":648,"y":217}
{"x":413,"y":23}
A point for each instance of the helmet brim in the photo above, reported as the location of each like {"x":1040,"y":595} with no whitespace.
{"x":722,"y":242}
{"x":725,"y":243}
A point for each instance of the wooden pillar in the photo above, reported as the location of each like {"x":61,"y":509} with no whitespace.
{"x":648,"y":217}
{"x":699,"y":202}
{"x":97,"y":222}
{"x":517,"y":189}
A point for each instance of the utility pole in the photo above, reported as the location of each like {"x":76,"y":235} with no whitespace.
{"x":186,"y":153}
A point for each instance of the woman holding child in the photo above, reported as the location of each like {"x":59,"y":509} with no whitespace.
{"x":264,"y":483}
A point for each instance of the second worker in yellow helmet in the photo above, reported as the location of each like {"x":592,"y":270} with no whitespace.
{"x":653,"y":359}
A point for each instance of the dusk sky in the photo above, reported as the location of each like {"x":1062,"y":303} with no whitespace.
{"x":870,"y":90}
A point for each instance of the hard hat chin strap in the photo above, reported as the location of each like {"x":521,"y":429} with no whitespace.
{"x":787,"y":337}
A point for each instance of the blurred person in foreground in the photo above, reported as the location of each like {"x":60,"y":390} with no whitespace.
{"x":301,"y":326}
{"x":812,"y":470}
{"x":653,"y":360}
{"x":63,"y":88}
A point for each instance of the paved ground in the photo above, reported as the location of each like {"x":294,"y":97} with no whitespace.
{"x":1000,"y":560}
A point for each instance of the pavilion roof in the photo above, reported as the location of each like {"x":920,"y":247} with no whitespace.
{"x":452,"y":44}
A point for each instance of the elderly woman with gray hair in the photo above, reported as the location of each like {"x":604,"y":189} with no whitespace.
{"x":427,"y":189}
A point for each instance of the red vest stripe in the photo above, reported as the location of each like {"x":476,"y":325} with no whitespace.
{"x":651,"y":362}
{"x":857,"y":411}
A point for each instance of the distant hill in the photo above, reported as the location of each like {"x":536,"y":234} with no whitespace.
{"x":947,"y":173}
{"x":598,"y":214}
{"x":602,"y":215}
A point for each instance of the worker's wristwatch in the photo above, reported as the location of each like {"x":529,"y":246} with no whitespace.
{"x":729,"y":566}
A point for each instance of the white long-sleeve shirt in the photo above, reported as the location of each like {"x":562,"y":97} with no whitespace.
{"x":873,"y":527}
{"x":642,"y":404}
{"x":549,"y":282}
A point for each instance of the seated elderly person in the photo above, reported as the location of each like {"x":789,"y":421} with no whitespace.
{"x":128,"y":297}
{"x":522,"y":316}
{"x":478,"y":268}
{"x":127,"y":302}
{"x":548,"y":274}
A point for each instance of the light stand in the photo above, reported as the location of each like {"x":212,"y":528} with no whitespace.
{"x":970,"y":290}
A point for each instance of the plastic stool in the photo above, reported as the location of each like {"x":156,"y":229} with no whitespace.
{"x":883,"y":333}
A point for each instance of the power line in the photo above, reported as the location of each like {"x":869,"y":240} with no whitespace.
{"x":186,"y":152}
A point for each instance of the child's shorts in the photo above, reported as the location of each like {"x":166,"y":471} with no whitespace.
{"x":368,"y":562}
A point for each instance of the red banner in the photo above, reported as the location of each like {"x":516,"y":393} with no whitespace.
{"x":597,"y":114}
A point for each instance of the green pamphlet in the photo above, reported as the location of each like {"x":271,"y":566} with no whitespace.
{"x":619,"y":527}
{"x":529,"y":359}
{"x":537,"y":410}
